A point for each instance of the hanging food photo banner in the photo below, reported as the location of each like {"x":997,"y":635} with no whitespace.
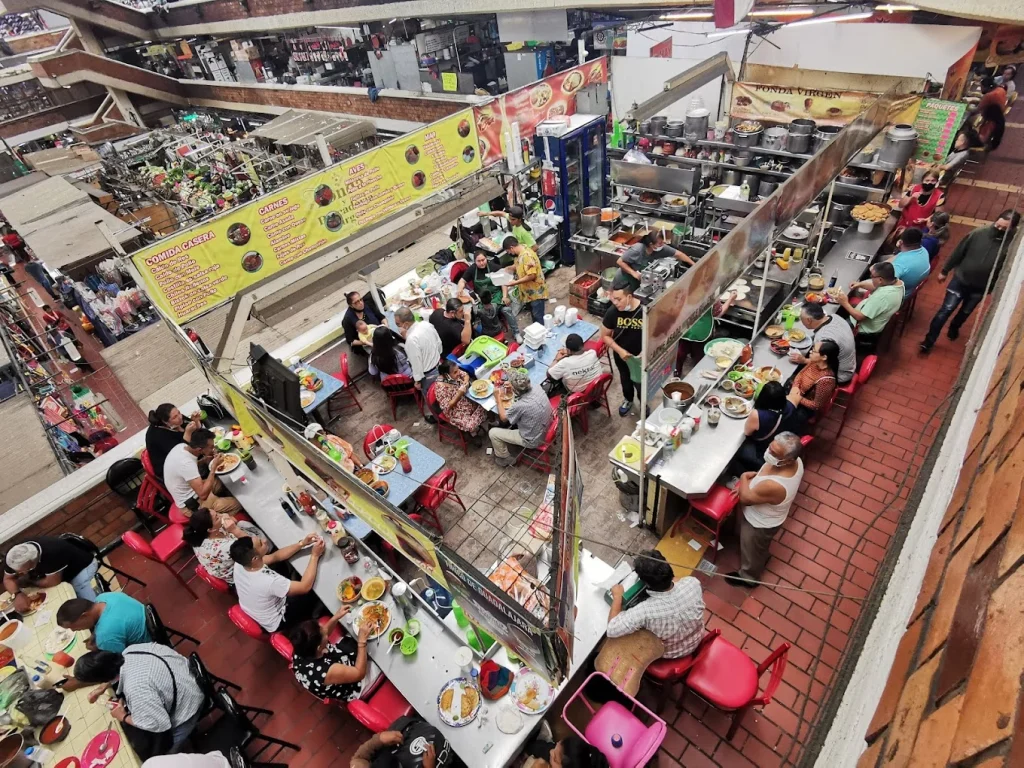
{"x":1006,"y":47}
{"x":936,"y":125}
{"x":194,"y":271}
{"x":565,"y":535}
{"x":694,"y":293}
{"x":777,"y":103}
{"x":350,"y":494}
{"x":501,"y":617}
{"x":530,"y":105}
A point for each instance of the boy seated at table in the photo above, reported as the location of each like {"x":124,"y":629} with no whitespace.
{"x":365,"y":332}
{"x":486,"y":317}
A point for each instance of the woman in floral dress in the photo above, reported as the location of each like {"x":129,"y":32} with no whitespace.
{"x":450,"y":391}
{"x":211,"y":534}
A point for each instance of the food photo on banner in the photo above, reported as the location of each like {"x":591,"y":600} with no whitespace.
{"x":781,"y":103}
{"x":194,"y":271}
{"x":501,"y":617}
{"x":386,"y":520}
{"x":532,"y":104}
{"x":566,"y":536}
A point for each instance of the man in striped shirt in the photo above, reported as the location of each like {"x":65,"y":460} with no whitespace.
{"x":672,"y":611}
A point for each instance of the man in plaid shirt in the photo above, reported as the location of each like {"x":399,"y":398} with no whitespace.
{"x":673,"y":612}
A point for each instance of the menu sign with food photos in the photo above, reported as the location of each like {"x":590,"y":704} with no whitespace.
{"x":936,"y":125}
{"x":551,"y":97}
{"x":784,"y":103}
{"x":196,"y":270}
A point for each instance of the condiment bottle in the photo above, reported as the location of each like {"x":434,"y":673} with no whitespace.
{"x":306,"y":501}
{"x":336,"y":531}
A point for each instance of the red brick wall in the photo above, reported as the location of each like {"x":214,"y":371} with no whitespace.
{"x":417,"y":110}
{"x":99,"y":515}
{"x":39,"y":42}
{"x":80,"y":61}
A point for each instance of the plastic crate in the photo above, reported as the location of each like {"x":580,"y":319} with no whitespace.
{"x":580,"y":302}
{"x":584,"y":284}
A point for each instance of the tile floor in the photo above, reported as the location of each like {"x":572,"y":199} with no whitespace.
{"x":823,"y":564}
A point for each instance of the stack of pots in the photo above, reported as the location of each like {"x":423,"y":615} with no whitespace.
{"x":899,"y":144}
{"x":774,"y":138}
{"x":658,"y":125}
{"x":824,"y":135}
{"x":696,"y":125}
{"x":800,"y":133}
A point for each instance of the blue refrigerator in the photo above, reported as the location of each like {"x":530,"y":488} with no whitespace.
{"x":575,"y":172}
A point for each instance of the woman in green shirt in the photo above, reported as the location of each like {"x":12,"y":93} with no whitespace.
{"x":694,"y":338}
{"x":516,"y":219}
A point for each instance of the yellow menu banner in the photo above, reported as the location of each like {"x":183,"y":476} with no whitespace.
{"x":194,"y":271}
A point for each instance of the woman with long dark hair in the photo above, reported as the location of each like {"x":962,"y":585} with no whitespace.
{"x":772,"y":413}
{"x":329,"y":670}
{"x":211,"y":534}
{"x":814,"y":386}
{"x":993,"y":125}
{"x":167,"y":428}
{"x":387,"y":357}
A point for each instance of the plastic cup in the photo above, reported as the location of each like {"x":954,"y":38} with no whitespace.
{"x":464,"y":658}
{"x":460,"y":617}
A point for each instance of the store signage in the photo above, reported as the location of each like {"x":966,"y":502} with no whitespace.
{"x":956,"y":76}
{"x":565,"y":536}
{"x":501,"y":617}
{"x":662,"y":50}
{"x":1007,"y":46}
{"x":783,"y":103}
{"x":936,"y":125}
{"x":450,"y":81}
{"x":552,"y":97}
{"x":692,"y":295}
{"x":194,"y":271}
{"x":318,"y":50}
{"x":390,"y":523}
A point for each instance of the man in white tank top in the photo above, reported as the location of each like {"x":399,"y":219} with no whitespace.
{"x":766,"y":497}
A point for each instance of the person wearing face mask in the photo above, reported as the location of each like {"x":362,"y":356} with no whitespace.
{"x":766,"y":496}
{"x":975,"y":264}
{"x":920,"y":201}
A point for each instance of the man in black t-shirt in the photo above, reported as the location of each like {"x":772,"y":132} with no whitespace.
{"x":46,"y":561}
{"x":358,"y":309}
{"x":453,"y":324}
{"x":623,"y":331}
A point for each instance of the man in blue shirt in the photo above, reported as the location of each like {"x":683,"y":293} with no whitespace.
{"x":115,"y":620}
{"x":912,"y":263}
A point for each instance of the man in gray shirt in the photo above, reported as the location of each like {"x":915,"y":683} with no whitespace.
{"x":530,"y":415}
{"x":635,"y":258}
{"x":827,"y":327}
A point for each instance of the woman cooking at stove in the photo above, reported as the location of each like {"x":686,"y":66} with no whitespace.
{"x":651,"y":246}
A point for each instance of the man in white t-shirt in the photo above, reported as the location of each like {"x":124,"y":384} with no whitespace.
{"x":575,"y":366}
{"x":182,"y":479}
{"x":275,"y":602}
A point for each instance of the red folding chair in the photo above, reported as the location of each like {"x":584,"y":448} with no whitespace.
{"x":717,"y":504}
{"x":213,"y":581}
{"x":577,"y":405}
{"x":345,"y":397}
{"x":849,"y":391}
{"x":163,"y":548}
{"x":397,"y":386}
{"x":725,"y":677}
{"x":604,"y":352}
{"x":382,"y":708}
{"x":377,"y":431}
{"x":540,"y":458}
{"x":446,"y":431}
{"x":597,"y":391}
{"x":432,"y":494}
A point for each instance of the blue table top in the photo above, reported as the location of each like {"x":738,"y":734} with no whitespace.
{"x":425,"y":463}
{"x":330,"y":388}
{"x":545,"y":355}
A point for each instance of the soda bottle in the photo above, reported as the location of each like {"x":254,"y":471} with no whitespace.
{"x":834,"y":279}
{"x":405,"y":461}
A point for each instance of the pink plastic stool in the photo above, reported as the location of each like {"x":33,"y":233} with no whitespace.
{"x":624,"y":738}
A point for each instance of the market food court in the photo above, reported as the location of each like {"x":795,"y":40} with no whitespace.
{"x":616,"y":443}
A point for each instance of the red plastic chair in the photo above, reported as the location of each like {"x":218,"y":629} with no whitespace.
{"x":163,"y":548}
{"x":178,"y":516}
{"x":604,"y":352}
{"x":805,"y":441}
{"x":432,"y":494}
{"x":382,"y":709}
{"x":459,"y":350}
{"x":540,"y":458}
{"x":149,"y":492}
{"x":248,"y":624}
{"x":283,"y":646}
{"x":377,"y":431}
{"x":513,"y":347}
{"x":664,"y":673}
{"x":397,"y":386}
{"x":577,"y":405}
{"x":458,"y":271}
{"x":849,"y":391}
{"x":214,"y":582}
{"x":725,"y":677}
{"x":597,"y":391}
{"x":717,"y":504}
{"x":446,"y":431}
{"x":345,"y":397}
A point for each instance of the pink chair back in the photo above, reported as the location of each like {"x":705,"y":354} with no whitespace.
{"x":377,"y":431}
{"x":283,"y":646}
{"x":246,"y":623}
{"x":867,"y":367}
{"x":213,"y":581}
{"x":343,"y":376}
{"x":776,"y":661}
{"x":136,"y":543}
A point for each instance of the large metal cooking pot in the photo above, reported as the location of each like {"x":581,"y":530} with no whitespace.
{"x":742,"y":158}
{"x":824,"y":135}
{"x":766,"y":187}
{"x":658,"y":125}
{"x":696,"y":125}
{"x":591,"y":217}
{"x":751,"y":180}
{"x":685,"y":395}
{"x":674,"y":128}
{"x":745,"y":139}
{"x":774,"y":138}
{"x":898,"y":146}
{"x":731,"y":176}
{"x":839,"y":213}
{"x":801,"y":132}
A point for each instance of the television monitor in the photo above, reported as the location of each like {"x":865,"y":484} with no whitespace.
{"x":276,"y":385}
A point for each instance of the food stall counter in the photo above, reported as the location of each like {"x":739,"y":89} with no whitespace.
{"x":420,"y":677}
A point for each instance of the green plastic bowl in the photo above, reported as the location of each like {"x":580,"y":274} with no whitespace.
{"x":409,"y":645}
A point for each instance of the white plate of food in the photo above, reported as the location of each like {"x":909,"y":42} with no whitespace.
{"x":307,"y":398}
{"x":798,"y":339}
{"x":723,"y":348}
{"x":58,"y":639}
{"x":229,"y":463}
{"x":377,"y":613}
{"x":736,"y":407}
{"x":458,"y":703}
{"x":531,"y":693}
{"x":481,"y":389}
{"x":385,"y":463}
